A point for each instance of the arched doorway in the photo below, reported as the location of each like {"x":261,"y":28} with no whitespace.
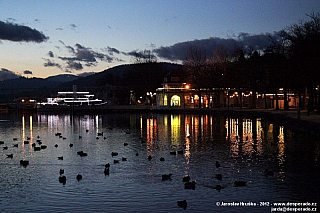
{"x":175,"y":100}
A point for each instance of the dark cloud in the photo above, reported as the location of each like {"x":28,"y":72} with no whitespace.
{"x":112,"y":50}
{"x":179,"y":51}
{"x":81,"y":56}
{"x":73,"y":26}
{"x":86,"y":55}
{"x":20,"y":33}
{"x":74,"y":65}
{"x":50,"y":63}
{"x":61,"y":42}
{"x":27,"y":72}
{"x":10,"y":20}
{"x":51,"y":54}
{"x":6,"y":74}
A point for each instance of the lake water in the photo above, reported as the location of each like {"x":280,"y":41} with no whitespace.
{"x":244,"y":147}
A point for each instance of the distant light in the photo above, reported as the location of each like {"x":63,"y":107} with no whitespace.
{"x":22,"y":100}
{"x":187,"y":86}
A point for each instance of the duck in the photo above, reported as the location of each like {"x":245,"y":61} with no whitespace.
{"x":107,"y":165}
{"x":79,"y":177}
{"x":100,"y":133}
{"x":183,"y":204}
{"x":186,"y":178}
{"x":26,"y":142}
{"x":33,"y":145}
{"x":63,"y":179}
{"x":137,"y":154}
{"x":58,"y":134}
{"x":190,"y":185}
{"x":114,"y":154}
{"x":61,"y":171}
{"x":10,"y":156}
{"x":218,"y":187}
{"x":82,"y":154}
{"x":124,"y":159}
{"x":125,"y":144}
{"x":166,"y":176}
{"x":268,"y":172}
{"x":43,"y":146}
{"x":24,"y":163}
{"x":217,"y":164}
{"x":161,"y":159}
{"x":15,"y":145}
{"x":116,"y":161}
{"x":149,"y":157}
{"x":106,"y":171}
{"x":71,"y":145}
{"x":219,"y":176}
{"x":37,"y":148}
{"x":240,"y":183}
{"x":60,"y":158}
{"x":56,"y":145}
{"x":1,"y":142}
{"x":15,"y":139}
{"x":5,"y":147}
{"x":87,"y":130}
{"x":173,"y":153}
{"x":80,"y":137}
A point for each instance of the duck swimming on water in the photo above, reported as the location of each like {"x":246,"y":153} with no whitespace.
{"x":166,"y":177}
{"x":183,"y":204}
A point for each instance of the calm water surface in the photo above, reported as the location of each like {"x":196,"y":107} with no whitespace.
{"x":244,"y":147}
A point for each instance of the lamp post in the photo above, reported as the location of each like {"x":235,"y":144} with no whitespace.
{"x":186,"y":87}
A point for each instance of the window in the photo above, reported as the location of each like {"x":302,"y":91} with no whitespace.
{"x":175,"y":100}
{"x":165,"y":100}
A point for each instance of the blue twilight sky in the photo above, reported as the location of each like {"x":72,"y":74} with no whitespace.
{"x":43,"y":38}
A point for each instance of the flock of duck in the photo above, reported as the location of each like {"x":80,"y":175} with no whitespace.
{"x":188,"y":184}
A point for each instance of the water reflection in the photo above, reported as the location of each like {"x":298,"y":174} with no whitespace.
{"x":244,"y":146}
{"x":244,"y":136}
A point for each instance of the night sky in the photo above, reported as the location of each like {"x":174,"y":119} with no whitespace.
{"x":45,"y":38}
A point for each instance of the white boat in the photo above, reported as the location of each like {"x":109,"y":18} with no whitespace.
{"x":69,"y":100}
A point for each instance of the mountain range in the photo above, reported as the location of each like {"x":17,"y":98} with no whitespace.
{"x":138,"y":77}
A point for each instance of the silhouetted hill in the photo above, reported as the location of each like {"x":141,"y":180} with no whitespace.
{"x":139,"y":77}
{"x":25,"y":87}
{"x":62,"y":78}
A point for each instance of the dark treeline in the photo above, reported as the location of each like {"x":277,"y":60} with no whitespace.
{"x":292,"y":62}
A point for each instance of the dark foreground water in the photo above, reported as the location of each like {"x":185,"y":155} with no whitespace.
{"x":244,"y":147}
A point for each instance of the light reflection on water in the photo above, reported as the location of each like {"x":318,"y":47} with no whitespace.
{"x":245,"y":147}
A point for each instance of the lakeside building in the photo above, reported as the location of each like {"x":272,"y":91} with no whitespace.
{"x":175,"y":93}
